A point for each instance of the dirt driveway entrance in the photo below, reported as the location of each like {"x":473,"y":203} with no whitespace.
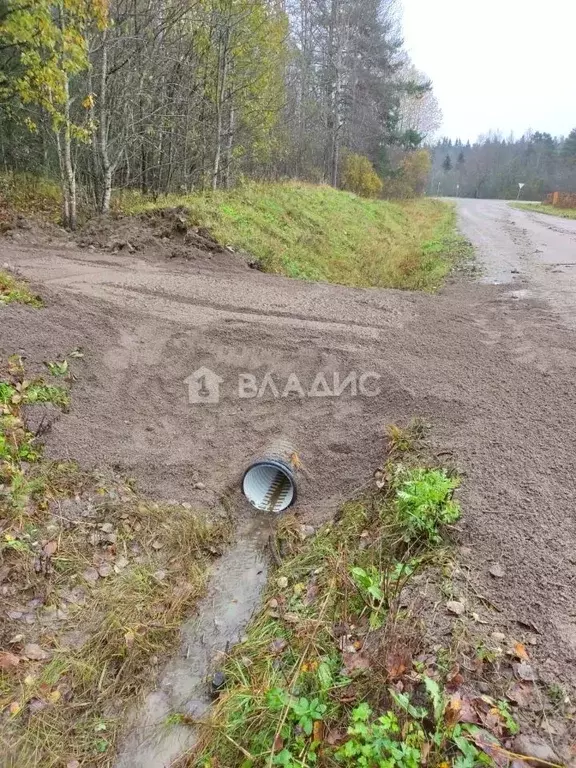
{"x":490,"y":366}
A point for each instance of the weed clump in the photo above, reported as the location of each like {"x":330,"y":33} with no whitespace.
{"x":12,"y":290}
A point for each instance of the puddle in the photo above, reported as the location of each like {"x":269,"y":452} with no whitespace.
{"x":235,"y":586}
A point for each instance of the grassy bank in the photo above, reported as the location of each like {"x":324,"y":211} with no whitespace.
{"x":96,"y":581}
{"x":563,"y":213}
{"x":319,"y":233}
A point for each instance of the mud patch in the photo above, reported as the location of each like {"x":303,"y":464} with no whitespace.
{"x":159,"y":235}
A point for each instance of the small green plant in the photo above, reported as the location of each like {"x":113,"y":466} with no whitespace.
{"x":507,"y":717}
{"x":59,"y":368}
{"x":12,"y":290}
{"x":424,"y":502}
{"x":379,"y":742}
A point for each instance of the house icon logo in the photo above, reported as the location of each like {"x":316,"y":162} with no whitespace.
{"x":203,"y":386}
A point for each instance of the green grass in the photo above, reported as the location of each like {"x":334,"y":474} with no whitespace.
{"x":318,"y":233}
{"x":13,"y":290}
{"x":563,"y":213}
{"x":29,"y":194}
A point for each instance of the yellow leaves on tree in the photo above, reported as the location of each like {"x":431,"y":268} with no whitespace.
{"x":359,"y":176}
{"x":51,"y":38}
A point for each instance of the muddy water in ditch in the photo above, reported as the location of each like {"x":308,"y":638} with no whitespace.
{"x":235,"y":587}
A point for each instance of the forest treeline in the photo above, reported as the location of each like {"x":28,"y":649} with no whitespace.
{"x":175,"y":95}
{"x":493,"y":167}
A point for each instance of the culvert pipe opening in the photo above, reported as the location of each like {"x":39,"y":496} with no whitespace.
{"x":269,"y":486}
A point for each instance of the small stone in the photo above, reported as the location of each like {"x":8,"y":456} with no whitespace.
{"x":33,"y":652}
{"x":499,"y":637}
{"x":200,"y":486}
{"x":455,"y":607}
{"x":525,"y":671}
{"x":533,"y":747}
{"x":306,"y":531}
{"x":105,"y":570}
{"x":157,"y":544}
{"x":187,"y":505}
{"x":497,"y":571}
{"x":121,"y":562}
{"x":160,"y":575}
{"x":16,"y":639}
{"x":218,"y":682}
{"x":273,"y":603}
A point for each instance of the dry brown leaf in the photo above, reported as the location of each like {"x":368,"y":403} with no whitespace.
{"x":335,"y":737}
{"x":278,"y":745}
{"x":354,"y":662}
{"x":318,"y":731}
{"x":521,"y":694}
{"x":491,"y":746}
{"x":8,"y":660}
{"x":453,"y":709}
{"x":397,"y":662}
{"x":14,"y":708}
{"x":50,"y":548}
{"x":520,"y":651}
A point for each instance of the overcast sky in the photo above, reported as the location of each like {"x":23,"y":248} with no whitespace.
{"x":505,"y":65}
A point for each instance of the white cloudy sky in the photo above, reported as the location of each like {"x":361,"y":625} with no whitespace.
{"x":505,"y":65}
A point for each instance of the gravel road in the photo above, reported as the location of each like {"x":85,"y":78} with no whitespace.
{"x":490,"y":363}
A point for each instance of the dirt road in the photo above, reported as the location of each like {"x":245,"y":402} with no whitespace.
{"x":491,"y":367}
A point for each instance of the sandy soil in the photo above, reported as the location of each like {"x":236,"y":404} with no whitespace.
{"x":491,"y":366}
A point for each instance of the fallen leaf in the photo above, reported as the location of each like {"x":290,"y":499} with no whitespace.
{"x":8,"y":660}
{"x":90,"y":574}
{"x":107,"y":528}
{"x":335,"y":737}
{"x":36,"y":705}
{"x":520,"y":651}
{"x":521,"y":694}
{"x":452,"y":711}
{"x":50,"y":548}
{"x":277,"y":646}
{"x":14,"y":708}
{"x":311,"y":594}
{"x":291,"y":618}
{"x":282,"y":582}
{"x":397,"y":663}
{"x":491,"y":746}
{"x":278,"y":745}
{"x":354,"y":662}
{"x":129,"y":639}
{"x":318,"y":731}
{"x":33,"y":652}
{"x":54,"y":697}
{"x":468,"y":713}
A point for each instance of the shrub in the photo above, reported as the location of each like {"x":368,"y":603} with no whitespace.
{"x":359,"y":176}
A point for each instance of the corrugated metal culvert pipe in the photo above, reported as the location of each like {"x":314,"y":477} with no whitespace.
{"x":269,"y":483}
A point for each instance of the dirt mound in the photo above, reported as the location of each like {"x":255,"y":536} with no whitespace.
{"x":158,"y":235}
{"x":28,"y":230}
